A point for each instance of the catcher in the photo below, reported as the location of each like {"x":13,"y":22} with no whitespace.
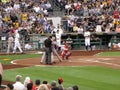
{"x":65,"y":51}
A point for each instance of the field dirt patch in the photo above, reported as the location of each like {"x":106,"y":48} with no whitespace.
{"x":78,"y":58}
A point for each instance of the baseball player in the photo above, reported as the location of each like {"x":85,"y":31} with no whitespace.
{"x":10,"y":43}
{"x":65,"y":51}
{"x":17,"y":43}
{"x":53,"y":52}
{"x":58,"y":39}
{"x":87,"y":39}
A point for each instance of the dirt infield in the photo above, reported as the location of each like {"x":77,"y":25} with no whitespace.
{"x":78,"y":58}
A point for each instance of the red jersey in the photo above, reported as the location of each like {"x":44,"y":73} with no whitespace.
{"x":35,"y":87}
{"x":77,"y":7}
{"x":116,"y":14}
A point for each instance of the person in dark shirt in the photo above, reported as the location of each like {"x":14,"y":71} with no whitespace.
{"x":13,"y":17}
{"x":48,"y":49}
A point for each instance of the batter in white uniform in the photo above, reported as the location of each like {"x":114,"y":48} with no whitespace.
{"x":87,"y":39}
{"x":17,"y":42}
{"x":58,"y":38}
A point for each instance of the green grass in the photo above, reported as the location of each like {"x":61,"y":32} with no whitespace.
{"x":87,"y":78}
{"x":5,"y":59}
{"x":109,"y":54}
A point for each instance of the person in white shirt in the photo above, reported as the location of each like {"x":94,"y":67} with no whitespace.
{"x":9,"y":8}
{"x":17,"y":43}
{"x":98,"y":28}
{"x":16,"y":5}
{"x":80,"y":29}
{"x":18,"y":85}
{"x":87,"y":40}
{"x":68,"y":7}
{"x":48,"y":5}
{"x":26,"y":81}
{"x":36,"y":8}
{"x":28,"y":46}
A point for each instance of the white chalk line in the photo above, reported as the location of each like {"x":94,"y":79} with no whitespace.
{"x":96,"y":61}
{"x":100,"y":60}
{"x":97,"y":53}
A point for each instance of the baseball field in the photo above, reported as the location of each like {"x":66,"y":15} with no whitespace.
{"x":92,"y":70}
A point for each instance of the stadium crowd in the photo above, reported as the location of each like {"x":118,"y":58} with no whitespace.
{"x":30,"y":16}
{"x":93,"y":15}
{"x":28,"y":84}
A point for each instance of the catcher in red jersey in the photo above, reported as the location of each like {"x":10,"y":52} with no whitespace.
{"x":65,"y":51}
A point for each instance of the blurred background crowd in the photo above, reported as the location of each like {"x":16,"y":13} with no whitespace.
{"x":30,"y":16}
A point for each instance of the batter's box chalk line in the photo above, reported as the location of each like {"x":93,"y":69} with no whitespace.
{"x":97,"y":60}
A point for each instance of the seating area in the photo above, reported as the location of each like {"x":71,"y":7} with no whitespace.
{"x":31,"y":17}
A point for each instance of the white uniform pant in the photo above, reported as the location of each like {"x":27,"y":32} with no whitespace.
{"x":17,"y":45}
{"x":52,"y":57}
{"x":10,"y":46}
{"x":58,"y":43}
{"x":87,"y":41}
{"x":44,"y":56}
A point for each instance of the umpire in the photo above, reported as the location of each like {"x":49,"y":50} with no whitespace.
{"x":48,"y":50}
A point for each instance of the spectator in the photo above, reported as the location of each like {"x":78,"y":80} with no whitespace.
{"x":70,"y":25}
{"x":37,"y":84}
{"x":18,"y":84}
{"x":80,"y":29}
{"x":75,"y":28}
{"x":55,"y":88}
{"x":26,"y":81}
{"x":45,"y":82}
{"x":107,"y":29}
{"x":36,"y":8}
{"x":29,"y":86}
{"x":43,"y":87}
{"x":9,"y":86}
{"x":1,"y":73}
{"x":60,"y":82}
{"x":69,"y":88}
{"x":49,"y":7}
{"x":116,"y":14}
{"x":117,"y":29}
{"x":98,"y":28}
{"x":16,"y":6}
{"x":68,"y":7}
{"x":53,"y":84}
{"x":75,"y":87}
{"x":28,"y":46}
